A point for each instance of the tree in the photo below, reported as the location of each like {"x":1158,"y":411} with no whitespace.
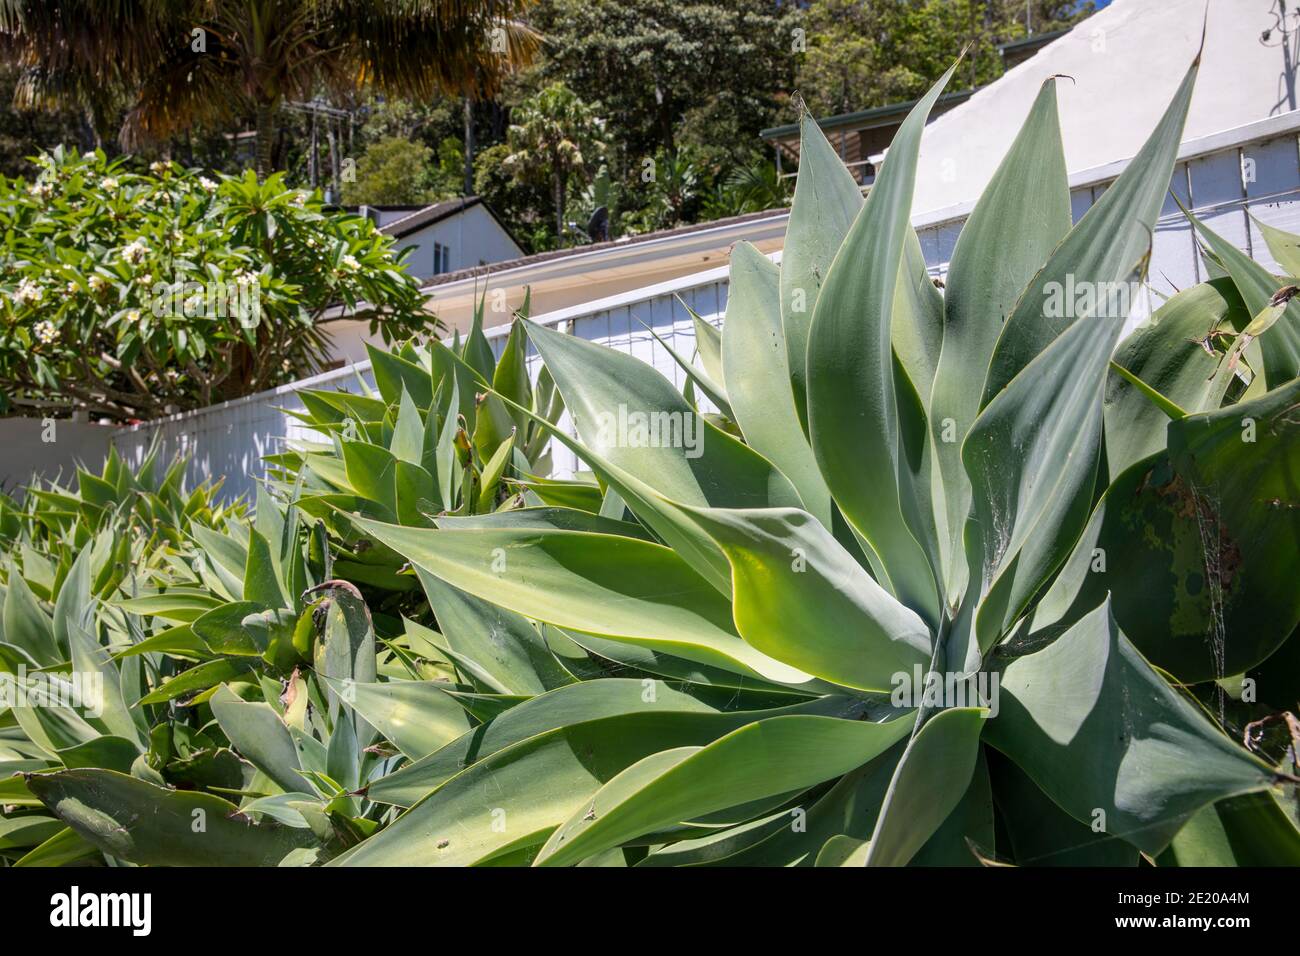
{"x":649,"y":62}
{"x":865,"y":53}
{"x":128,"y":294}
{"x":182,"y":62}
{"x":555,"y":137}
{"x":393,"y":171}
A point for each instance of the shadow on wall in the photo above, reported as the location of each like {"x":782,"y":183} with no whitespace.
{"x":49,"y":448}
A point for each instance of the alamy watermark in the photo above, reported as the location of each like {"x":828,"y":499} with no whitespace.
{"x":637,"y":429}
{"x":1076,"y":299}
{"x":240,"y":299}
{"x":945,"y":689}
{"x":83,"y":691}
{"x":76,"y":909}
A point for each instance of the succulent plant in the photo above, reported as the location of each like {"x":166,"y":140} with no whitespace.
{"x":979,"y":555}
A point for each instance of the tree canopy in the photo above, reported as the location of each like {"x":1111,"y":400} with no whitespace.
{"x":131,"y":294}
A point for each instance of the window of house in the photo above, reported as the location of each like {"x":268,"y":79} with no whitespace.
{"x":441,"y":258}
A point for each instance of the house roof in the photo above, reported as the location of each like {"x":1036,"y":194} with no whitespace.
{"x":1032,"y":41}
{"x":428,"y":215}
{"x":864,"y":119}
{"x":1124,"y":64}
{"x":596,"y":249}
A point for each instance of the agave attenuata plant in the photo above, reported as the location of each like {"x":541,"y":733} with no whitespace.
{"x":964,"y":582}
{"x":944,"y":576}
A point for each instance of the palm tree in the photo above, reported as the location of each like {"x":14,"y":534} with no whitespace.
{"x":181,"y":62}
{"x":554,"y":136}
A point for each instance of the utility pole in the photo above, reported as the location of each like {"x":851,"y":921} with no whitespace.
{"x":468,"y":189}
{"x":333,"y":118}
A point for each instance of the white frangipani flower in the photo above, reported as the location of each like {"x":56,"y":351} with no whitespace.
{"x":135,"y":252}
{"x":28,"y":292}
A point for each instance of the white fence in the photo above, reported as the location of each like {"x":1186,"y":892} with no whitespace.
{"x":1228,"y":179}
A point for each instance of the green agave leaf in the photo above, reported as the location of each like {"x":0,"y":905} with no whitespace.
{"x":853,"y":409}
{"x":1164,"y":354}
{"x":90,"y":657}
{"x":1281,"y":348}
{"x":762,"y":759}
{"x":109,"y":752}
{"x":508,"y":654}
{"x":47,"y":723}
{"x":1019,"y":219}
{"x":492,"y":472}
{"x":754,"y":350}
{"x":849,"y":808}
{"x":514,"y":798}
{"x":917,"y":326}
{"x":800,"y":598}
{"x":576,"y":495}
{"x":393,"y":374}
{"x":407,"y":443}
{"x":346,"y":649}
{"x":173,"y":605}
{"x":621,"y":588}
{"x":105,"y":808}
{"x":968,"y":835}
{"x":708,"y":342}
{"x":477,"y":352}
{"x":928,"y":784}
{"x":571,"y":704}
{"x":335,"y":407}
{"x":412,"y":484}
{"x":226,"y":629}
{"x":64,"y":848}
{"x":197,"y":679}
{"x":714,"y":848}
{"x":418,"y":717}
{"x":260,"y":736}
{"x":1100,"y":732}
{"x":511,"y":376}
{"x":1031,"y":457}
{"x":27,"y":830}
{"x":25,"y":624}
{"x":1284,"y":246}
{"x":701,"y":380}
{"x":650,"y":661}
{"x":372,"y":472}
{"x":1099,"y":252}
{"x":826,"y":203}
{"x":1187,"y":544}
{"x":841,"y":850}
{"x":262,"y":584}
{"x":1250,"y":830}
{"x":1041,"y":833}
{"x":655,"y":511}
{"x":559,"y":519}
{"x":602,"y":388}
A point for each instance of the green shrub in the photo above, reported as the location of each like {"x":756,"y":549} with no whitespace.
{"x":129,"y":294}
